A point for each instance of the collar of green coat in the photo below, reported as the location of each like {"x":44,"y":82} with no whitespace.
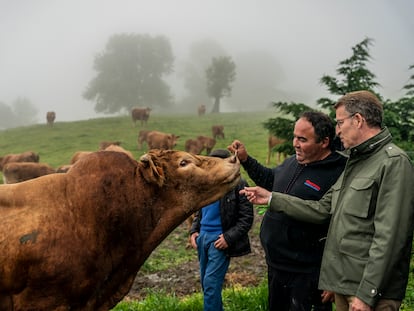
{"x":371,"y":145}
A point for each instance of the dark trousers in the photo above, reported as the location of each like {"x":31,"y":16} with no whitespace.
{"x":290,"y":291}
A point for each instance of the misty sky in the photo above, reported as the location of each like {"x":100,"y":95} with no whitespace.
{"x":47,"y":47}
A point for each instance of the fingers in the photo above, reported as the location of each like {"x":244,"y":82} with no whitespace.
{"x":235,"y":145}
{"x":221,"y":242}
{"x":256,"y":195}
{"x":237,"y":148}
{"x":193,"y":238}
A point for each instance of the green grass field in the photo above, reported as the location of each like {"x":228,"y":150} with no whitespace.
{"x":57,"y":144}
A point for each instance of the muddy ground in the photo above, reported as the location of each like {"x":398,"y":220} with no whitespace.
{"x":184,"y":279}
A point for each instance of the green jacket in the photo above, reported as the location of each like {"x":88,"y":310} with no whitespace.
{"x":368,"y":247}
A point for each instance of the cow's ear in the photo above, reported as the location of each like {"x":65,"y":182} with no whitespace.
{"x":150,"y":171}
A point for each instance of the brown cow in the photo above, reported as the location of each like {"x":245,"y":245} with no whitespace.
{"x":76,"y":241}
{"x":27,"y":156}
{"x":193,"y":146}
{"x":161,"y":140}
{"x":273,"y":141}
{"x":64,"y":168}
{"x":208,"y":143}
{"x":142,"y":136}
{"x":217,"y":131}
{"x":119,"y":149}
{"x":14,"y":172}
{"x":78,"y":155}
{"x":104,"y":144}
{"x":50,"y":117}
{"x":141,"y":114}
{"x":201,"y":110}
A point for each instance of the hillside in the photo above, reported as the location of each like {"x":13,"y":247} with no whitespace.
{"x":57,"y":144}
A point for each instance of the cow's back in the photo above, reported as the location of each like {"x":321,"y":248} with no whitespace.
{"x":15,"y":172}
{"x":27,"y":156}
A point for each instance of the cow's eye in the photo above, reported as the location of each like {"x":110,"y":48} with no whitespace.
{"x":183,"y":163}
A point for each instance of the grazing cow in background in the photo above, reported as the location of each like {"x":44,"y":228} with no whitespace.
{"x":201,"y":110}
{"x":27,"y":156}
{"x":14,"y":172}
{"x":76,"y":241}
{"x":119,"y":149}
{"x":140,"y":114}
{"x":104,"y":144}
{"x":142,"y":136}
{"x":217,"y":131}
{"x":193,"y":146}
{"x":79,"y":155}
{"x":272,"y":142}
{"x":50,"y":117}
{"x":161,"y":140}
{"x":64,"y":168}
{"x":208,"y":143}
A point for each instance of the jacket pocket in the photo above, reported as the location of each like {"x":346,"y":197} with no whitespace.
{"x":357,"y":248}
{"x":359,"y":197}
{"x":353,"y":259}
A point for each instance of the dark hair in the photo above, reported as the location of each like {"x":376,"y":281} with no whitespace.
{"x":366,"y":104}
{"x":323,"y":126}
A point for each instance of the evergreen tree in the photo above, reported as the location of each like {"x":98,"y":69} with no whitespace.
{"x":353,"y":73}
{"x":399,"y":115}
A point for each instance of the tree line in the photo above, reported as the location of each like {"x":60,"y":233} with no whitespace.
{"x":132,"y":70}
{"x":352,"y":75}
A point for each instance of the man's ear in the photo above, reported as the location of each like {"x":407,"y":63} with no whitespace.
{"x":325,"y":142}
{"x":359,"y":118}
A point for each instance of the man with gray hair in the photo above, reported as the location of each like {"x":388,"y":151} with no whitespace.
{"x":367,"y":253}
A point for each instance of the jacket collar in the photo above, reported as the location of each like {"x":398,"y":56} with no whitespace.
{"x":371,"y":145}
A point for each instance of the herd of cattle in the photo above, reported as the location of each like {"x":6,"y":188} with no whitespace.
{"x":24,"y":166}
{"x":20,"y":167}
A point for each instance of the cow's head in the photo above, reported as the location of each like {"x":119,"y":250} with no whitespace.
{"x":173,"y":167}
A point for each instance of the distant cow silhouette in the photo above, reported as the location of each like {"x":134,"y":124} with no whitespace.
{"x":217,"y":131}
{"x":273,"y":141}
{"x":201,"y":110}
{"x":50,"y":117}
{"x":140,"y":114}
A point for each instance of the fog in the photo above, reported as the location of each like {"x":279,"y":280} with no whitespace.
{"x":47,"y":47}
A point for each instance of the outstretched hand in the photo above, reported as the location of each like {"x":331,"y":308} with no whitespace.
{"x":256,"y":195}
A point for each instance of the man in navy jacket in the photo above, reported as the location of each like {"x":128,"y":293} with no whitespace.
{"x":294,"y":248}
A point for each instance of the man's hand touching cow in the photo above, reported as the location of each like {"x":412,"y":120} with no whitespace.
{"x":238,"y":148}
